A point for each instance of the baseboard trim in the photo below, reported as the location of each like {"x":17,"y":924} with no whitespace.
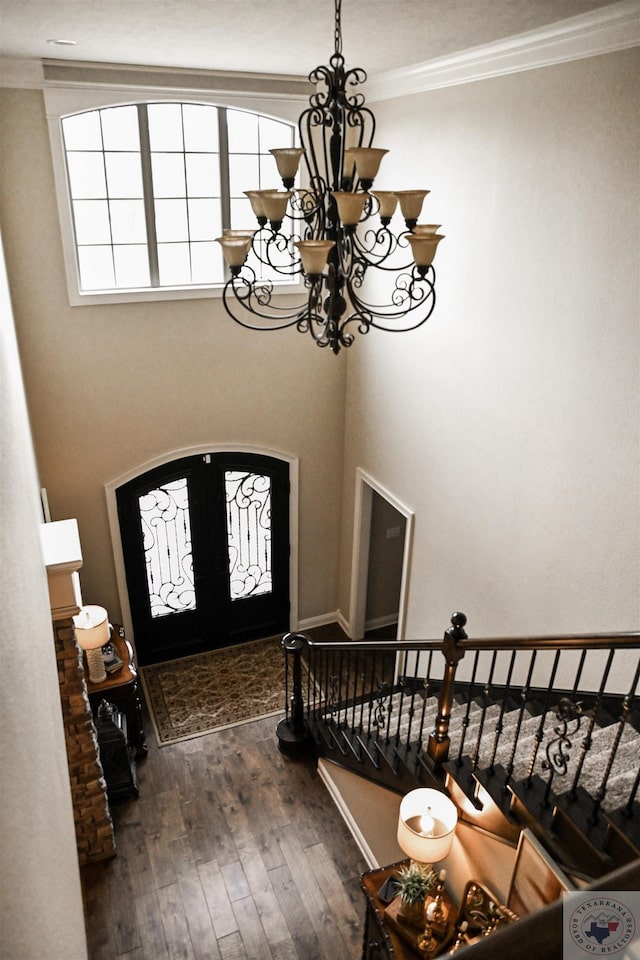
{"x":345,"y":813}
{"x":335,"y":617}
{"x":378,"y":622}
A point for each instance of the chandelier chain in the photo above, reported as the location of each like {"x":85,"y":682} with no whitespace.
{"x":338,"y":28}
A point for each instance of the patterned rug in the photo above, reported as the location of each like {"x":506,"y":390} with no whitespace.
{"x":210,"y":691}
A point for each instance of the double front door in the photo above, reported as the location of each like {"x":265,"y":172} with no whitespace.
{"x":206,"y":551}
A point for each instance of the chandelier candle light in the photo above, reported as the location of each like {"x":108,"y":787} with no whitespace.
{"x":337,"y":229}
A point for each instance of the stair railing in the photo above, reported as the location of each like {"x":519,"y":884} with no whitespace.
{"x":388,"y":705}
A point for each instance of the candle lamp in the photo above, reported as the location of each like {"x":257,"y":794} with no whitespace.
{"x":426,"y":825}
{"x":92,"y":632}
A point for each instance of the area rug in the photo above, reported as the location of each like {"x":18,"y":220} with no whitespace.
{"x":212,"y":691}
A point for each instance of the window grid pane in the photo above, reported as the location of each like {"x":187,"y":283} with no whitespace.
{"x":96,"y":268}
{"x":181,"y":181}
{"x":87,"y":176}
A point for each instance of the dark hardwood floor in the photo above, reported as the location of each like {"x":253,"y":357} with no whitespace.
{"x":231,"y":852}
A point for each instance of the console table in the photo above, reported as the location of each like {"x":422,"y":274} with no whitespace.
{"x":387,"y":937}
{"x":381,"y":939}
{"x":121,"y":688}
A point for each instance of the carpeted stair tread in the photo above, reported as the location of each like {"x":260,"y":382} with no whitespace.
{"x":622,"y":771}
{"x":472,"y":726}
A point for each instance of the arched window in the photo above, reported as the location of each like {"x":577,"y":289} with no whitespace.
{"x":151,"y":185}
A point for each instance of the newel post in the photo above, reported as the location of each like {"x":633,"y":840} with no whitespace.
{"x":294,"y":738}
{"x":438,"y":746}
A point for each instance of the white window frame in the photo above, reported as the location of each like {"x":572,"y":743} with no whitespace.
{"x":62,"y":101}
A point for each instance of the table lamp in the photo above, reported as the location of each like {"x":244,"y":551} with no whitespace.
{"x":92,"y":632}
{"x":426,"y":825}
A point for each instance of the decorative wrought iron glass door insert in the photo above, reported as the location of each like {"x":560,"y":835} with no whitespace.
{"x":166,"y":535}
{"x":206,"y":549}
{"x":248,"y":502}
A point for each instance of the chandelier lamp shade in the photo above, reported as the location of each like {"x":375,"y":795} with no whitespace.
{"x":334,"y":231}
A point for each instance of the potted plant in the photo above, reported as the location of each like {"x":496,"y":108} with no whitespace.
{"x":414,"y":881}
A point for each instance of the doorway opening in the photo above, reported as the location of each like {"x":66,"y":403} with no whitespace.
{"x":383,"y":530}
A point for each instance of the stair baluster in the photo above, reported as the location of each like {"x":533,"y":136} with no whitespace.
{"x":412,"y":684}
{"x":406,"y":694}
{"x":360,"y":728}
{"x":539,"y":735}
{"x":586,"y":743}
{"x":628,"y":809}
{"x":356,"y":678}
{"x":467,"y":714}
{"x":503,"y":706}
{"x":425,"y":697}
{"x":622,"y":722}
{"x":372,"y":687}
{"x":485,"y":703}
{"x":524,"y":696}
{"x":559,"y":749}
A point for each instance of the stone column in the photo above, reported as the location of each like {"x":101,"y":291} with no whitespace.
{"x":94,"y":827}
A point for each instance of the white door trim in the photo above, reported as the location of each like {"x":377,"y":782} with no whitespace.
{"x":114,"y":525}
{"x":365,"y":487}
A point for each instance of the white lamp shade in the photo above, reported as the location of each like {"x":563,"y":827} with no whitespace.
{"x":92,"y":627}
{"x":426,"y":825}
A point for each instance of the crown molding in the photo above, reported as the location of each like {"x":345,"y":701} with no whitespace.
{"x":76,"y":74}
{"x":72,"y":73}
{"x":605,"y":30}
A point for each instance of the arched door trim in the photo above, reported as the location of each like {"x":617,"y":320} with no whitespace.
{"x":199,"y":450}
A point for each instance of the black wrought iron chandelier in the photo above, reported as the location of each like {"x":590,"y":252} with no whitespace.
{"x":334,"y":230}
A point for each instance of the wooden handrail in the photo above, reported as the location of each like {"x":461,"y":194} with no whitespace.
{"x":575,"y":641}
{"x":453,"y":647}
{"x":398,"y":718}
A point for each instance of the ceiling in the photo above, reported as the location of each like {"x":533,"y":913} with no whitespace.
{"x":268,"y":36}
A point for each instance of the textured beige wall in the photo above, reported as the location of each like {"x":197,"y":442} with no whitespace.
{"x":113,"y":387}
{"x":37,"y":835}
{"x":509,"y":422}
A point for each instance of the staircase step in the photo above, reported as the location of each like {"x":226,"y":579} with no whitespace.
{"x":489,"y":736}
{"x":628,"y":826}
{"x":588,"y":844}
{"x":462,"y":786}
{"x":480,"y":801}
{"x":574,"y":848}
